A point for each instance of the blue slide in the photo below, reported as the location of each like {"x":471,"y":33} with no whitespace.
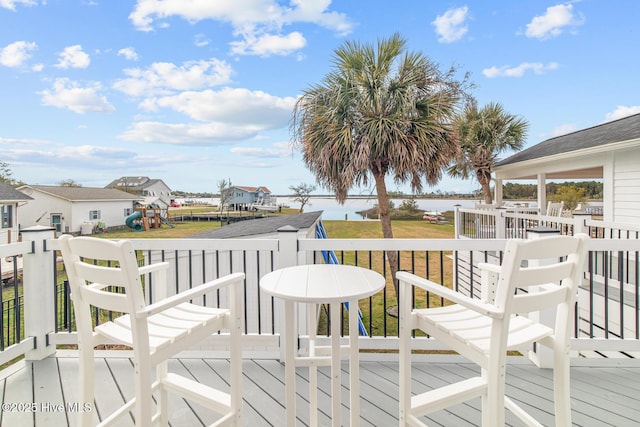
{"x":130,"y":221}
{"x":331,"y":258}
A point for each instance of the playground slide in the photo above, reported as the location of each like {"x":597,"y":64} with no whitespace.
{"x":130,"y":221}
{"x":166,"y":221}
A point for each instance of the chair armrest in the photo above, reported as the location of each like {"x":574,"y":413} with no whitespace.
{"x":493,"y":268}
{"x":151,"y":268}
{"x":190,"y":294}
{"x":456,"y":297}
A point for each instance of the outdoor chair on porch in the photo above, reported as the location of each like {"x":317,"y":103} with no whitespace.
{"x":555,"y":208}
{"x":105,"y":275}
{"x":535,"y":275}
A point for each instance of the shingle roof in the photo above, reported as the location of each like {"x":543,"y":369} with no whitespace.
{"x":620,"y":130}
{"x":259,"y":226}
{"x":128,"y":181}
{"x":10,"y":194}
{"x":83,"y":193}
{"x":252,"y":189}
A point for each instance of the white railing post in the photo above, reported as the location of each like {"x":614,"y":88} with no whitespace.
{"x":580,"y":223}
{"x":287,"y":257}
{"x":287,"y":246}
{"x":542,"y":356}
{"x":456,"y":221}
{"x":501,"y":223}
{"x":39,"y":291}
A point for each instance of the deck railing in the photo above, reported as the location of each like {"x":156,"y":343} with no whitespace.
{"x":607,"y":316}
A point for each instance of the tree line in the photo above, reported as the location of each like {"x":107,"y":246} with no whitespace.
{"x":514,"y":191}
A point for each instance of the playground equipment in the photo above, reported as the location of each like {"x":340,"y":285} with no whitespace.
{"x":145,"y":218}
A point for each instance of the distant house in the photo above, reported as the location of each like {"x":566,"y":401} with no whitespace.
{"x":154,"y":191}
{"x":609,"y":151}
{"x":10,"y":200}
{"x":242,"y":197}
{"x":70,"y":209}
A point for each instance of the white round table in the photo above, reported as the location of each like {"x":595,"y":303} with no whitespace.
{"x":315,"y":284}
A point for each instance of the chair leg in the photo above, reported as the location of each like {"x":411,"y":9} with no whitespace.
{"x":163,"y":398}
{"x":87,"y":384}
{"x":405,"y":354}
{"x":562,"y":388}
{"x":142,"y":412}
{"x":493,"y":407}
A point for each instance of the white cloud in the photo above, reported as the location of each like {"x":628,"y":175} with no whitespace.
{"x":563,"y":130}
{"x":70,"y":95}
{"x":277,"y":150}
{"x":73,"y":57}
{"x":269,"y":44}
{"x":553,"y":22}
{"x":15,"y":54}
{"x":199,"y":134}
{"x":129,"y":53}
{"x":166,"y":77}
{"x":520,"y":70}
{"x":224,"y":117}
{"x":622,"y":111}
{"x":201,"y":40}
{"x":252,"y":20}
{"x":11,"y":4}
{"x":229,"y":105}
{"x":451,"y":26}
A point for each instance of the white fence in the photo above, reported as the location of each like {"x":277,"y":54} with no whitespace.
{"x":193,"y":261}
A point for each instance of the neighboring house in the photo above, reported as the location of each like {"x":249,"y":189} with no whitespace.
{"x":10,"y":200}
{"x":154,"y":191}
{"x":609,"y":151}
{"x":74,"y":209}
{"x":242,"y":197}
{"x":266,"y":228}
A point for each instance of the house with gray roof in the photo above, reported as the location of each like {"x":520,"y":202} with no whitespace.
{"x":76,"y":209}
{"x":10,"y":200}
{"x":154,"y":191}
{"x":609,"y":151}
{"x":264,"y":228}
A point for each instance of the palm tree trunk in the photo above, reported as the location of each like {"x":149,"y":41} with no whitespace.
{"x":485,"y":183}
{"x":385,"y":221}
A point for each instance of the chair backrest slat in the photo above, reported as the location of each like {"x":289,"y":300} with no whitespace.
{"x":537,"y":262}
{"x":107,"y":276}
{"x":550,"y":296}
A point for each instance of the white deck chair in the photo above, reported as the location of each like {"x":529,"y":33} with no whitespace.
{"x":555,"y":209}
{"x":105,"y":275}
{"x":483,"y":331}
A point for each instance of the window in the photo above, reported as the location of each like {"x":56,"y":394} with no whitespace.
{"x":128,"y":211}
{"x":7,"y":216}
{"x":94,"y":214}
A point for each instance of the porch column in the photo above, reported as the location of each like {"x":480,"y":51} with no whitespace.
{"x":542,"y":193}
{"x":497,"y":200}
{"x":39,"y":291}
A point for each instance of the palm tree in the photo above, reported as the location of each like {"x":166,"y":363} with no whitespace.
{"x":484,"y":134}
{"x":381,"y":112}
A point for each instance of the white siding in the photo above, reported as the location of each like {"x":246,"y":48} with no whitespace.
{"x":74,"y":214}
{"x":626,"y":187}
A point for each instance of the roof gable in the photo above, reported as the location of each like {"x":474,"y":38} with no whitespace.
{"x":10,"y":194}
{"x":625,"y":129}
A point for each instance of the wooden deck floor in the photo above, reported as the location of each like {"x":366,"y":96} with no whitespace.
{"x":601,"y":396}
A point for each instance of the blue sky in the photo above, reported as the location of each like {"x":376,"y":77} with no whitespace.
{"x":196,"y":91}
